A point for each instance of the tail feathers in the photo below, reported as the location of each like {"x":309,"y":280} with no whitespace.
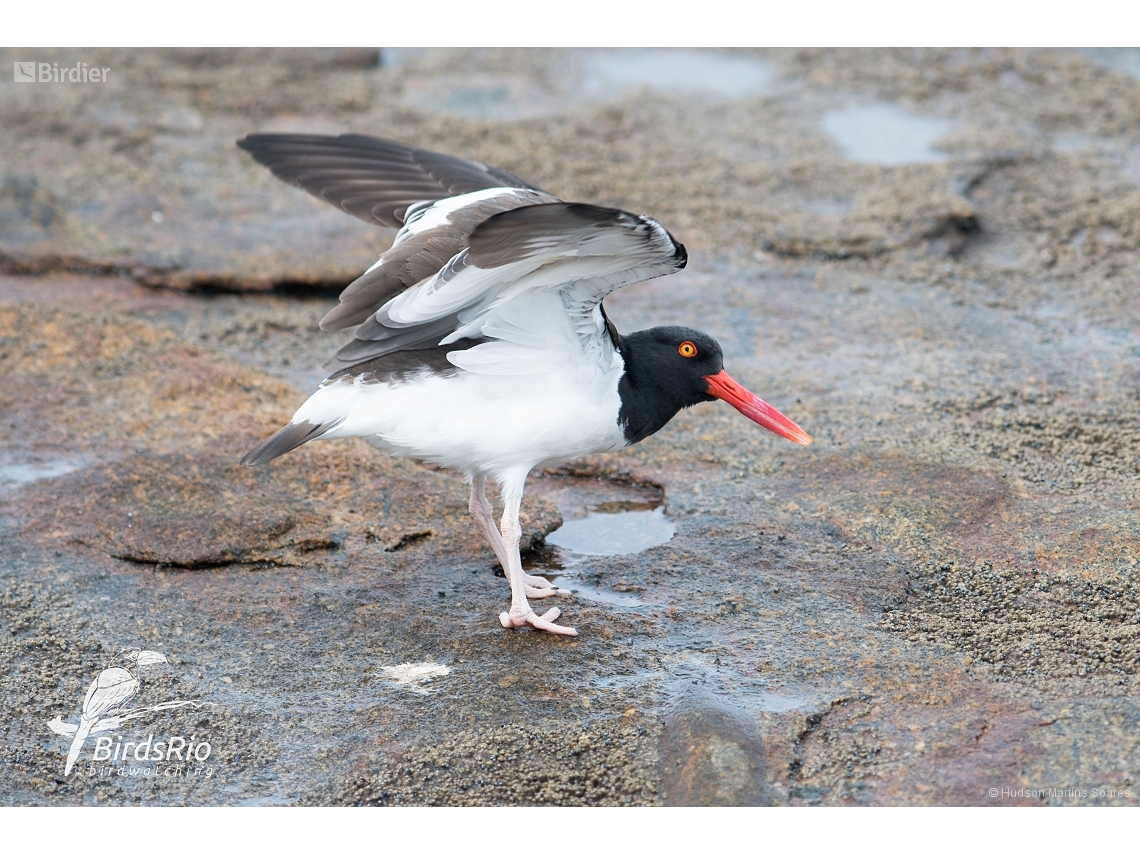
{"x":286,"y":439}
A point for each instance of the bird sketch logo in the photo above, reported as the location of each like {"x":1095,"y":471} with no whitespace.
{"x":23,"y":72}
{"x":104,"y":707}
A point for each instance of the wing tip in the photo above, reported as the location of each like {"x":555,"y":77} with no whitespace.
{"x":254,"y":143}
{"x":285,"y":440}
{"x":680,"y":254}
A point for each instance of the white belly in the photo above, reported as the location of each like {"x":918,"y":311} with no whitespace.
{"x":478,"y":423}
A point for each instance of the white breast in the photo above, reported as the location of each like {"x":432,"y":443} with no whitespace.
{"x":477,"y":422}
{"x":519,"y":401}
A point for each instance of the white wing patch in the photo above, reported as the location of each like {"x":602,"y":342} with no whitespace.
{"x":531,"y":336}
{"x":424,"y":216}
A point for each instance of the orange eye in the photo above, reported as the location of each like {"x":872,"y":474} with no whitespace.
{"x":687,"y":349}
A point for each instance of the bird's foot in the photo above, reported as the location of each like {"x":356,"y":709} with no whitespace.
{"x":536,"y":587}
{"x":517,"y":617}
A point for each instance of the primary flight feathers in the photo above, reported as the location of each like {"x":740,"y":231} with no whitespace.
{"x":374,"y":179}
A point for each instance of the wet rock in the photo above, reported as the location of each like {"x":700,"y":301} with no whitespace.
{"x":538,"y":519}
{"x":162,"y":216}
{"x":606,"y":764}
{"x":100,"y":386}
{"x":186,"y":511}
{"x":1059,"y":441}
{"x":205,"y":510}
{"x":1031,"y":625}
{"x":301,"y":59}
{"x":899,"y":209}
{"x":710,"y":757}
{"x":395,"y":537}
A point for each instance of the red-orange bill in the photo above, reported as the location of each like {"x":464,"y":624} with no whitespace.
{"x":724,"y":387}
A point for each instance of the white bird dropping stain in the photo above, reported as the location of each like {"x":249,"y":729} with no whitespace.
{"x":413,"y":675}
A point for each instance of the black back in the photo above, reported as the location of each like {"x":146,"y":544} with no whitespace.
{"x":659,"y":382}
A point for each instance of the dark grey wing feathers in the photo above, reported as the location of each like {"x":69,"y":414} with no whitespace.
{"x":584,"y":230}
{"x":383,"y":341}
{"x":374,"y":179}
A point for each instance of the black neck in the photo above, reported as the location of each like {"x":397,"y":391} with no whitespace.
{"x":647,"y":403}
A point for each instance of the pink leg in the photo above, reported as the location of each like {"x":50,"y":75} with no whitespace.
{"x":534,"y":586}
{"x":521,"y":613}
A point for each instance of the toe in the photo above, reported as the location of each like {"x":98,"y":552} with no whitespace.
{"x":546,"y":623}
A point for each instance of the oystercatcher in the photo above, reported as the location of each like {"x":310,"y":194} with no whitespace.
{"x":480,"y":341}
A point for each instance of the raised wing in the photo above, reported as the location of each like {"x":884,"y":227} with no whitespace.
{"x":480,"y":253}
{"x":520,"y":270}
{"x":374,"y":179}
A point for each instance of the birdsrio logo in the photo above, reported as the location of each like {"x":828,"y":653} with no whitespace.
{"x":105,"y":708}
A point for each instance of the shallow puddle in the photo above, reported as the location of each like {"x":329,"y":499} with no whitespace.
{"x":15,"y":473}
{"x":614,"y":529}
{"x":484,"y":95}
{"x":609,"y":73}
{"x":568,"y":572}
{"x":747,"y":692}
{"x":885,"y":135}
{"x":1130,"y":165}
{"x":598,"y":76}
{"x":828,"y":207}
{"x":600,"y":518}
{"x":1072,"y":141}
{"x":1125,"y":60}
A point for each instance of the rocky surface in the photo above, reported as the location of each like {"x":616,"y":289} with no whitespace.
{"x":928,"y":259}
